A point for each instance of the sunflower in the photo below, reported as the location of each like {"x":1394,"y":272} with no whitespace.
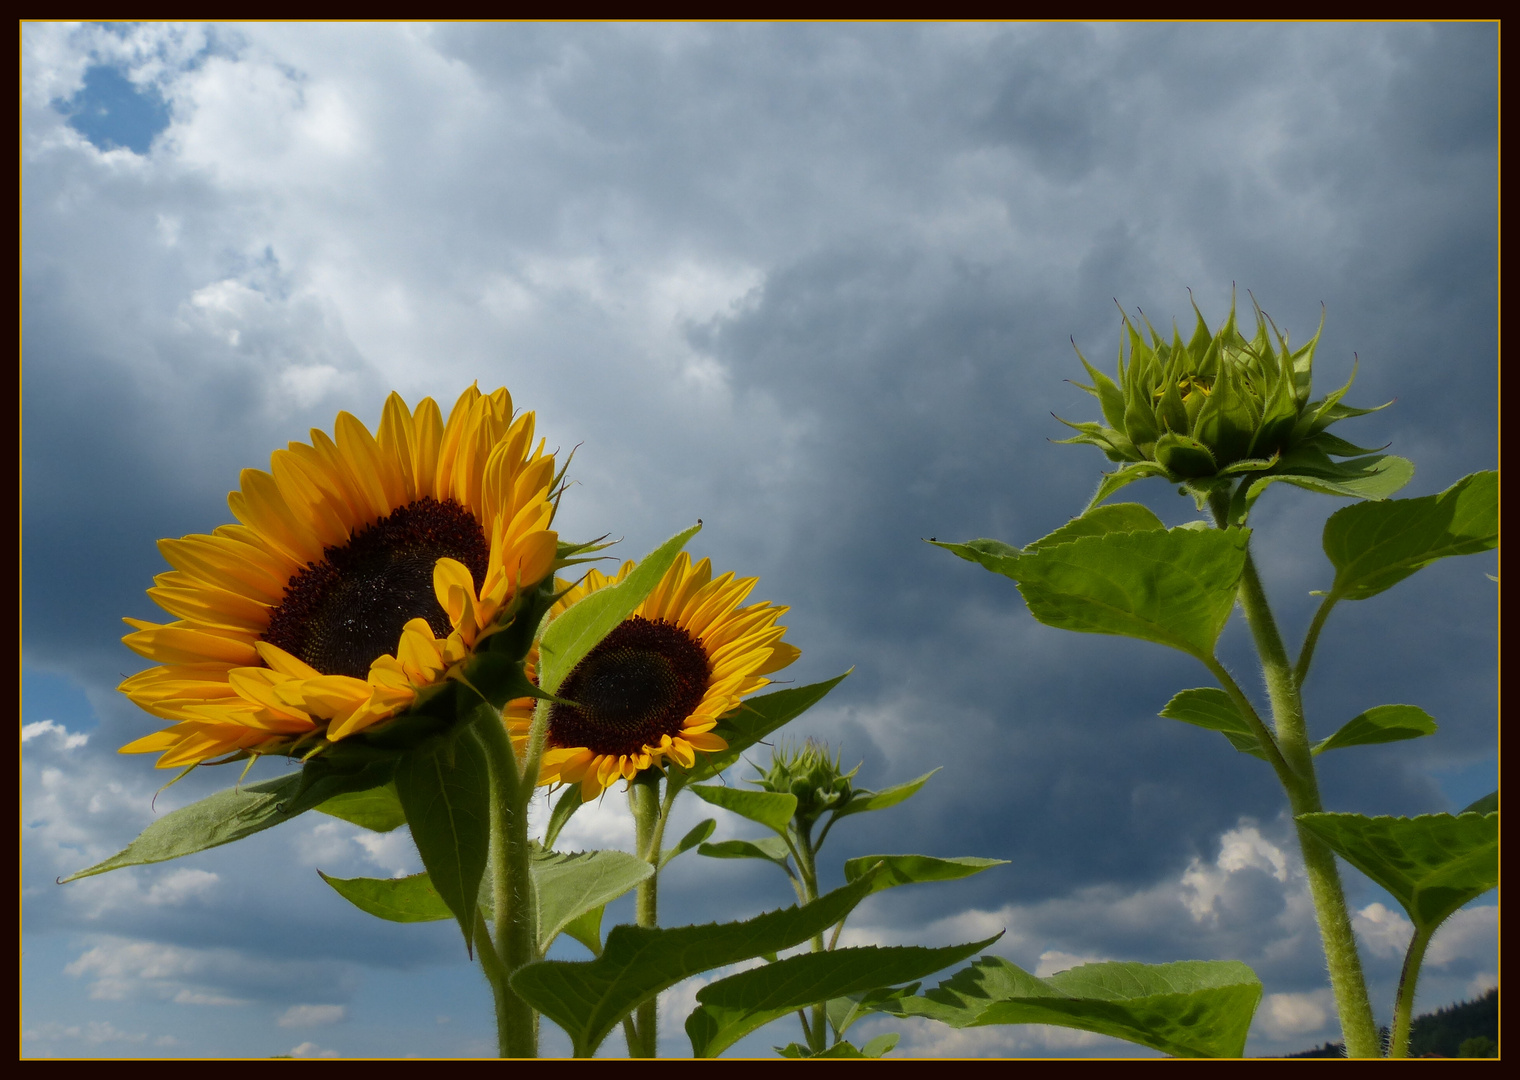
{"x":655,"y":687}
{"x":364,"y":569}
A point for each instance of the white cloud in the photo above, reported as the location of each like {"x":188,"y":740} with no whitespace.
{"x":1470,"y":935}
{"x":124,"y":969}
{"x":312,"y":1015}
{"x":1383,"y":931}
{"x":1053,"y":960}
{"x":1205,"y":887}
{"x":44,"y":727}
{"x":312,"y":1050}
{"x":1300,"y":1016}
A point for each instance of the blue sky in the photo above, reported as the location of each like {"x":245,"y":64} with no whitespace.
{"x":816,"y":285}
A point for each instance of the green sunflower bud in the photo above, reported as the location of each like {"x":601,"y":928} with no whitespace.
{"x":809,"y":773}
{"x":1224,"y":414}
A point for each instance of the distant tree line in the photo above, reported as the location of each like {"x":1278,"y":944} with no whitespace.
{"x":1469,"y":1029}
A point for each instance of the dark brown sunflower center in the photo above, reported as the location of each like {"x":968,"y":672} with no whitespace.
{"x":339,"y":615}
{"x":642,"y":681}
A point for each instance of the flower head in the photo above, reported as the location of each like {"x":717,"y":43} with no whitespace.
{"x":363,"y":570}
{"x":1206,"y":412}
{"x":811,"y":774}
{"x":653,"y":690}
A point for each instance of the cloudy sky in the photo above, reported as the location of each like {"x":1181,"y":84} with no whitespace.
{"x":816,"y":285}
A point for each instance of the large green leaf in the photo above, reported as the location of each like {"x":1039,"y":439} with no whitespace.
{"x":217,"y":819}
{"x":1195,"y":1008}
{"x":1376,"y":545}
{"x":1000,"y":558}
{"x":1175,"y":587}
{"x":1432,"y":864}
{"x":445,"y":792}
{"x":575,"y":633}
{"x":756,"y":718}
{"x":569,"y":886}
{"x":915,"y":869}
{"x":1210,"y":707}
{"x":995,"y":555}
{"x":588,"y":999}
{"x":770,"y":808}
{"x":731,"y":1008}
{"x":1385,"y":723}
{"x":866,"y":800}
{"x":378,"y":809}
{"x":406,"y":899}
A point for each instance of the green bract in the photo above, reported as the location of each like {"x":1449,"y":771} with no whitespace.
{"x":808,"y":772}
{"x":1220,"y":410}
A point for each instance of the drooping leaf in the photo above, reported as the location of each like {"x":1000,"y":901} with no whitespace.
{"x":1385,"y":723}
{"x":700,"y":832}
{"x":995,"y":555}
{"x":1195,"y":1008}
{"x":1175,"y":587}
{"x":1376,"y":545}
{"x":881,"y":1045}
{"x":407,"y":899}
{"x":215,"y":820}
{"x":575,"y":633}
{"x":1374,"y":477}
{"x":445,"y":792}
{"x":1210,"y":707}
{"x":569,"y":885}
{"x":842,"y":1012}
{"x":756,"y":718}
{"x":915,"y":869}
{"x":1432,"y":864}
{"x":770,"y":808}
{"x":1128,"y":474}
{"x":1115,"y":517}
{"x":588,"y":999}
{"x":378,"y":809}
{"x":770,"y":848}
{"x":731,"y":1008}
{"x":866,"y":801}
{"x":587,"y":929}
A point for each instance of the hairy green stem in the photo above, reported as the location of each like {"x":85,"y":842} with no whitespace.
{"x":1403,"y":1004}
{"x":648,"y":822}
{"x":1311,"y":639}
{"x":1346,"y":979}
{"x":512,"y":888}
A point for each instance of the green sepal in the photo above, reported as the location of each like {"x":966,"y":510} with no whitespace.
{"x":1432,"y":864}
{"x":1110,"y":397}
{"x":1210,"y":707}
{"x":1117,"y":479}
{"x":1186,"y":457}
{"x":1193,"y":1009}
{"x":731,"y":1008}
{"x":1382,"y":724}
{"x":590,"y":998}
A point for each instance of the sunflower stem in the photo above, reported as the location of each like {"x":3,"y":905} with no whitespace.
{"x":648,"y":822}
{"x":1302,"y":788}
{"x":1403,"y":1002}
{"x":512,"y":888}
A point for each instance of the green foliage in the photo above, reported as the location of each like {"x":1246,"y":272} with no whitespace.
{"x":700,"y":832}
{"x":877,"y":1047}
{"x":770,"y":848}
{"x":915,"y":869}
{"x":1432,"y":864}
{"x":588,"y":999}
{"x":1385,"y":723}
{"x":731,"y":1008}
{"x":770,"y":809}
{"x":215,"y":820}
{"x":1373,"y":546}
{"x":1175,"y":587}
{"x":445,"y":792}
{"x":405,"y":899}
{"x":1210,"y":707}
{"x":378,"y":809}
{"x":1190,"y":1009}
{"x":864,"y":800}
{"x":570,"y":637}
